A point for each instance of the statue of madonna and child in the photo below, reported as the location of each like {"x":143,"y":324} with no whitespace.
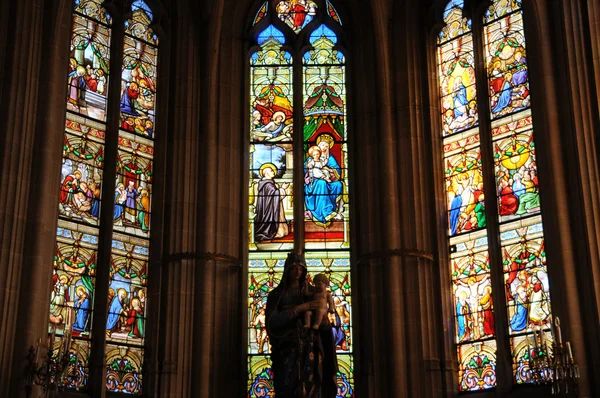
{"x":303,"y":354}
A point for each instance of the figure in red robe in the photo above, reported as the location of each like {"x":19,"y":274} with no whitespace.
{"x":508,"y":201}
{"x":69,"y":186}
{"x":299,"y":11}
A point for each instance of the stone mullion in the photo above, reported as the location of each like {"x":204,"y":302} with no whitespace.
{"x":298,"y":145}
{"x":97,"y":380}
{"x":503,"y":351}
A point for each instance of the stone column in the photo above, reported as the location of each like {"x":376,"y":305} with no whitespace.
{"x":181,"y":223}
{"x":202,"y":299}
{"x":396,"y":285}
{"x":219,"y":363}
{"x":563,"y":122}
{"x":32,"y":121}
{"x":593,"y":22}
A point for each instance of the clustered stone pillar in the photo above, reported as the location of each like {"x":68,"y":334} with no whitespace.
{"x":201,"y":300}
{"x":32,"y":68}
{"x":561,"y":98}
{"x":397,"y":299}
{"x":181,"y":219}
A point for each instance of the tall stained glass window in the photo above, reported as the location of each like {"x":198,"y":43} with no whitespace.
{"x":83,"y":191}
{"x":524,"y":290}
{"x":275,"y":207}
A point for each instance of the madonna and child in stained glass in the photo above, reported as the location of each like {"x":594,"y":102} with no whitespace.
{"x":273,"y":137}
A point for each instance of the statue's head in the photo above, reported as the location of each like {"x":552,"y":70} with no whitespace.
{"x":294,"y":263}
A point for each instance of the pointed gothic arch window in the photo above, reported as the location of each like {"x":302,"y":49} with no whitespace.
{"x":297,"y":117}
{"x":497,"y":257}
{"x":97,"y":129}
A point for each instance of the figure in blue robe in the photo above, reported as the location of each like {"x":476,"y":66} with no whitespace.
{"x":321,"y":197}
{"x":119,"y":202}
{"x":95,"y":210}
{"x":463,"y":309}
{"x":519,"y":320}
{"x":460,"y":99}
{"x":130,"y":95}
{"x":454,"y":213}
{"x":83,"y":312}
{"x":520,"y":76}
{"x":518,"y":187}
{"x":504,"y":98}
{"x":116,"y":307}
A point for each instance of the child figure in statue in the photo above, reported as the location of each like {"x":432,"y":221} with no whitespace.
{"x":325,"y":302}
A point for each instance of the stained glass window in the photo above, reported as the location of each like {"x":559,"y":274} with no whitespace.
{"x":469,"y":262}
{"x":273,"y":215}
{"x":524,"y":291}
{"x":82,"y":194}
{"x":527,"y":287}
{"x":76,"y":249}
{"x":132,"y":212}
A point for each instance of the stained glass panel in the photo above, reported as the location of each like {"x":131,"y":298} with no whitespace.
{"x":525,"y":349}
{"x":261,"y":13}
{"x":133,"y":187}
{"x":138,"y":87}
{"x":74,"y":355}
{"x":472,"y":288}
{"x":132,"y":212}
{"x":326,"y":202}
{"x":332,"y":12}
{"x":516,"y":167}
{"x":507,"y":69}
{"x":127,"y":290}
{"x":265,"y":271}
{"x":124,"y":369}
{"x":336,"y":267}
{"x":73,"y":279}
{"x":345,"y":376}
{"x":457,"y":85}
{"x":260,"y":377}
{"x":454,"y":23}
{"x":271,"y":207}
{"x":477,"y":366}
{"x":92,"y":9}
{"x":89,"y":66}
{"x":139,"y":24}
{"x":464,"y":183}
{"x":527,"y":291}
{"x":81,"y":176}
{"x":500,"y":8}
{"x":296,"y":14}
